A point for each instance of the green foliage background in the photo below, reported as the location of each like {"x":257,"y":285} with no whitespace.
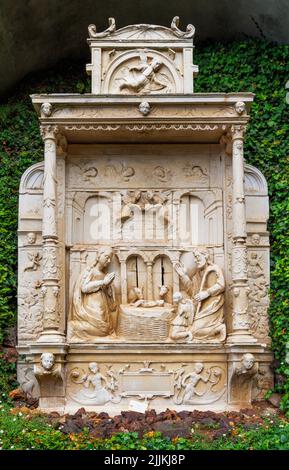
{"x":256,"y":66}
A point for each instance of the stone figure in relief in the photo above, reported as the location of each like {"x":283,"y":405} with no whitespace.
{"x":97,"y":389}
{"x":144,"y":77}
{"x":34,"y":261}
{"x":191,"y":381}
{"x":205,"y":288}
{"x":94,"y":386}
{"x":137,"y":299}
{"x":242,"y":379}
{"x":93,"y":301}
{"x":182,"y":323}
{"x":209,"y":323}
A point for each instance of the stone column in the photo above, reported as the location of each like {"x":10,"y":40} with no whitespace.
{"x":50,"y":271}
{"x":149,"y":280}
{"x":240,"y":325}
{"x":123,"y":277}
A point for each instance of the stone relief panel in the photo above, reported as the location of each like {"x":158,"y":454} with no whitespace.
{"x":132,"y":167}
{"x":91,"y":387}
{"x":93,"y":301}
{"x":264,"y":381}
{"x":258,"y":295}
{"x":148,"y":306}
{"x":27,"y":380}
{"x":131,"y":59}
{"x":141,"y":72}
{"x":30,"y":295}
{"x":186,"y":384}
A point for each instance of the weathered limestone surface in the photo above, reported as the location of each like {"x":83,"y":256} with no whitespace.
{"x":143,"y":244}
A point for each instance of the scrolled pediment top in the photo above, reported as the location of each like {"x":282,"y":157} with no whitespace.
{"x":142,"y":31}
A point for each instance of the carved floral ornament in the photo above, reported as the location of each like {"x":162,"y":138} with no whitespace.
{"x":142,"y":127}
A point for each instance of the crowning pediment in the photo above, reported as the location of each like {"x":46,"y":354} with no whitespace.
{"x":143,"y":31}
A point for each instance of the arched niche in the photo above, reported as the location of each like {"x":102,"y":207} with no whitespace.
{"x":32,"y":179}
{"x":97,"y":220}
{"x":257,"y":201}
{"x":163,"y":276}
{"x":136,"y":275}
{"x":255,"y":182}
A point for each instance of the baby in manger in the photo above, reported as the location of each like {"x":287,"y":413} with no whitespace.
{"x":137,"y":300}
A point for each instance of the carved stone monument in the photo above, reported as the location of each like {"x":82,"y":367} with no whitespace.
{"x":143,"y":245}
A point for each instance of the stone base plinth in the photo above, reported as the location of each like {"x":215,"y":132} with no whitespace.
{"x":133,"y":376}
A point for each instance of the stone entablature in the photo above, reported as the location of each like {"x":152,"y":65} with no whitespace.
{"x":143,"y":243}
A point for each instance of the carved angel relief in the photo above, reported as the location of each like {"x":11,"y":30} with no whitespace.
{"x":145,"y":76}
{"x":99,"y":384}
{"x":203,"y":384}
{"x":258,"y":296}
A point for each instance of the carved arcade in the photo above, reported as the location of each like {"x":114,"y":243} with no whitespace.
{"x":143,"y":246}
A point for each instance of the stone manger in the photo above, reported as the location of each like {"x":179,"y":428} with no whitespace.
{"x":143,"y":243}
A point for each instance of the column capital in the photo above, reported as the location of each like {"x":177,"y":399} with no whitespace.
{"x":49,"y":131}
{"x":237,"y":131}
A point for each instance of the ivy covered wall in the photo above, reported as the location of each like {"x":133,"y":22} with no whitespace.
{"x":252,"y":66}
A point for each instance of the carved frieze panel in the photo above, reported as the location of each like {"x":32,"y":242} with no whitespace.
{"x":136,"y":168}
{"x":141,"y":72}
{"x":184,"y":384}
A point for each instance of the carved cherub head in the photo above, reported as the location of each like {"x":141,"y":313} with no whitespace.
{"x":144,"y":108}
{"x":93,"y":367}
{"x":240,"y":107}
{"x":199,"y":366}
{"x":31,"y":238}
{"x":256,"y":239}
{"x":46,"y":109}
{"x":47,"y":360}
{"x":248,"y":361}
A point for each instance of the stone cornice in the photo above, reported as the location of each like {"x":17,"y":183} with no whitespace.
{"x":75,"y":100}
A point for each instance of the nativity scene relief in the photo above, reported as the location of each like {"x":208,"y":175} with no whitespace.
{"x":143,"y":242}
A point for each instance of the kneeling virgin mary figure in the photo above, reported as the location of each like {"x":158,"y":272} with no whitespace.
{"x":93,"y":301}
